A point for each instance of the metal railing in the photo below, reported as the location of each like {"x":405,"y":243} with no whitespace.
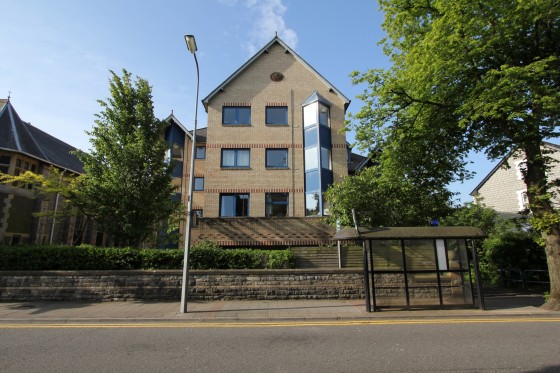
{"x":524,"y":277}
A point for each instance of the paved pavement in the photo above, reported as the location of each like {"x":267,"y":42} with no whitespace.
{"x":501,"y":304}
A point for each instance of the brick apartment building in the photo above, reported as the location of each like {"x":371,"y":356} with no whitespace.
{"x":272,"y":146}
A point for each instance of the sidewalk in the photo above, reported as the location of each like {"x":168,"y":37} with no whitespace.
{"x":498,"y":305}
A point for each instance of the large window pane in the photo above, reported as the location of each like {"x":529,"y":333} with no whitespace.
{"x":420,"y":255}
{"x":243,"y":158}
{"x":311,"y":161}
{"x":236,"y":115}
{"x":277,"y":115}
{"x":310,"y":137}
{"x":310,"y":115}
{"x":387,"y":255}
{"x":312,"y":204}
{"x":277,"y":158}
{"x":234,"y":205}
{"x":228,"y":157}
{"x":277,"y":204}
{"x":312,"y":181}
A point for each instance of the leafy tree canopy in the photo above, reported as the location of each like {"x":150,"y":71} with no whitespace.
{"x":126,"y":175}
{"x":468,"y":75}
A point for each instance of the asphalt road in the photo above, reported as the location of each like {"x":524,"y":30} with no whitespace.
{"x":469,"y":345}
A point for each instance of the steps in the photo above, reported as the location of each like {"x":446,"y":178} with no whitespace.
{"x":327,"y":257}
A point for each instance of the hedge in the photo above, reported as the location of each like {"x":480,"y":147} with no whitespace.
{"x":203,"y":256}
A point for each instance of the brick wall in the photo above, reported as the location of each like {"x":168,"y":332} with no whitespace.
{"x":166,"y":285}
{"x":254,"y":87}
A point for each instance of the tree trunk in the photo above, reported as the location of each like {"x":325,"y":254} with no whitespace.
{"x":544,"y":216}
{"x":552,"y":248}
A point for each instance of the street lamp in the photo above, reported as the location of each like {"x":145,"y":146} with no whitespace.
{"x":191,"y":46}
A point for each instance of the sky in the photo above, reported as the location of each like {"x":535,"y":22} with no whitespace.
{"x":56,"y":55}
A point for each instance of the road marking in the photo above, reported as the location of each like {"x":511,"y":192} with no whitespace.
{"x":273,"y":324}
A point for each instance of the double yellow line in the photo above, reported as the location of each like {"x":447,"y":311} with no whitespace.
{"x":277,"y":324}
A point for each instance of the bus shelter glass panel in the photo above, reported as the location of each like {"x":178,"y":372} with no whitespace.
{"x":423,"y":289}
{"x":388,"y":273}
{"x":456,"y":284}
{"x":421,"y":266}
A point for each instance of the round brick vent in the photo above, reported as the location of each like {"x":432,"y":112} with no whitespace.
{"x":276,"y":77}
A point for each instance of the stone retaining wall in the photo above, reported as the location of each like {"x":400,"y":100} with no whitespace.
{"x":166,"y":285}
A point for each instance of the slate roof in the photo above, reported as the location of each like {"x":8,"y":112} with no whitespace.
{"x":357,"y":162}
{"x":19,"y":136}
{"x":200,"y":132}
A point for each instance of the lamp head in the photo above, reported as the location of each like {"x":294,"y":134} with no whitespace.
{"x":191,"y":43}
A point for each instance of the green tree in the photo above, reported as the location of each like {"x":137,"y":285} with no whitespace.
{"x":385,"y":199}
{"x":469,"y":75}
{"x":127,"y":178}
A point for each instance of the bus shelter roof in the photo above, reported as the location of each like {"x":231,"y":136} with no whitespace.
{"x":398,"y":233}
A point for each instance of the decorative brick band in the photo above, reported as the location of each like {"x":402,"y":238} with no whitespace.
{"x":339,"y":146}
{"x":280,"y":104}
{"x":254,"y":146}
{"x":237,"y":104}
{"x":274,"y":190}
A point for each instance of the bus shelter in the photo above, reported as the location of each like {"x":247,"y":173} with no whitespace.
{"x":418,"y":267}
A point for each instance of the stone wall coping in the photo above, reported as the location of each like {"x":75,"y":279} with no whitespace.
{"x":191,"y":272}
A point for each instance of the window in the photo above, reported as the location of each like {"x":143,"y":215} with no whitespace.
{"x":276,"y":204}
{"x":522,"y":200}
{"x":200,"y":152}
{"x":311,"y":161}
{"x":324,"y":115}
{"x":234,"y":205}
{"x":4,"y":163}
{"x":236,"y":158}
{"x":312,"y":204}
{"x":277,"y":115}
{"x":198,"y":183}
{"x":326,"y":159}
{"x":520,"y":169}
{"x":236,"y":115}
{"x":277,"y":158}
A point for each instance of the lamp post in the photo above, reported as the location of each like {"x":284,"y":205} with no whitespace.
{"x":191,"y":46}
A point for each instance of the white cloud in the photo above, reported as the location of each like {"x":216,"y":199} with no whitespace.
{"x":268,"y":19}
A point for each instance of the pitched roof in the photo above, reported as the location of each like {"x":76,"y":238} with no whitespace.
{"x":474,"y":192}
{"x":357,"y":162}
{"x":19,"y":136}
{"x":200,"y":132}
{"x":276,"y":39}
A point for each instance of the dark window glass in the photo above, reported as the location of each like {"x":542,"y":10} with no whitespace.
{"x":4,"y":169}
{"x":277,"y":158}
{"x":236,"y":115}
{"x":200,"y":152}
{"x":324,"y":115}
{"x":236,"y":158}
{"x":234,"y":205}
{"x":277,"y":115}
{"x":277,"y":204}
{"x":198,"y":183}
{"x":5,"y":159}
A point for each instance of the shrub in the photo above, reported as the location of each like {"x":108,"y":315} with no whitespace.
{"x":205,"y":255}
